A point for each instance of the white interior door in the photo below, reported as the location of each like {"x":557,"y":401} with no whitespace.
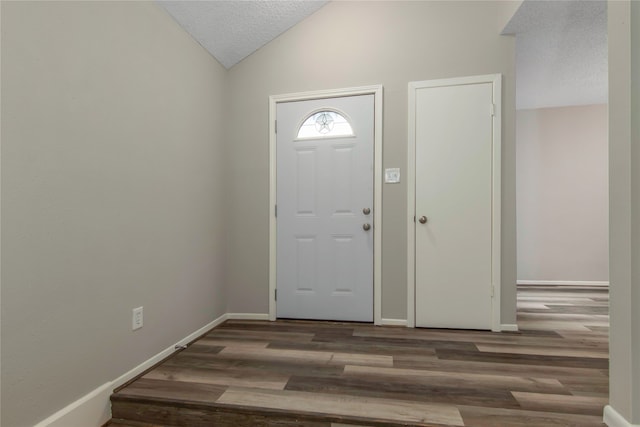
{"x":324,"y":184}
{"x":453,"y":206}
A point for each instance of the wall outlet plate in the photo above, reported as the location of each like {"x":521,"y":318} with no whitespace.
{"x":137,"y":320}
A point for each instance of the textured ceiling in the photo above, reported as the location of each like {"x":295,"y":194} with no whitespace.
{"x":561,"y":53}
{"x":233,"y":30}
{"x":561,"y":46}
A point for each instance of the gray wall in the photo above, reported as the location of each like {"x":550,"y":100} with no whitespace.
{"x":624,"y":213}
{"x":348,"y":44}
{"x":563,"y":194}
{"x":112,"y":195}
{"x":135,"y":171}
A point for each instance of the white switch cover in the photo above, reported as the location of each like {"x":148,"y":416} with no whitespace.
{"x":392,"y":175}
{"x":137,"y":318}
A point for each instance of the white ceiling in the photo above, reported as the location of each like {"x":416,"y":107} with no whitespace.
{"x":561,"y":53}
{"x":233,"y":30}
{"x":561,"y":46}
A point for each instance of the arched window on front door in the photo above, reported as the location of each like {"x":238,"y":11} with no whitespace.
{"x":325,"y":124}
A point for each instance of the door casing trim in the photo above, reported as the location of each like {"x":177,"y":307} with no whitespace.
{"x":496,"y":80}
{"x":377,"y":92}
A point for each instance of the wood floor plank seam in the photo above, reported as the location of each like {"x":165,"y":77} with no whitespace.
{"x":349,"y":407}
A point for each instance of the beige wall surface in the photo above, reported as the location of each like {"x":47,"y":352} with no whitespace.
{"x":635,"y":220}
{"x":624,"y":188}
{"x":563,"y":194}
{"x":348,"y":44}
{"x":112,"y":187}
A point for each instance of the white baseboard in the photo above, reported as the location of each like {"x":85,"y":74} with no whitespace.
{"x":509,"y":327}
{"x":613,"y":419}
{"x":94,"y":409}
{"x":91,"y":410}
{"x":393,"y":322}
{"x":248,"y":316}
{"x":563,"y":282}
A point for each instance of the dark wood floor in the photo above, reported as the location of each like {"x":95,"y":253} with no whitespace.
{"x":554,"y":372}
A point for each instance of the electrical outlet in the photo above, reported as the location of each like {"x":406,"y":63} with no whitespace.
{"x":137,"y":318}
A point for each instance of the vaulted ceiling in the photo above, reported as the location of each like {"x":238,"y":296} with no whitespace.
{"x":561,"y":46}
{"x":231,"y":30}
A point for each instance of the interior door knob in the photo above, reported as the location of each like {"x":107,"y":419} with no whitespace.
{"x":423,"y":219}
{"x":366,"y":227}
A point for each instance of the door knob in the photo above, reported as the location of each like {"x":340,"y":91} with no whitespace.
{"x":366,"y":211}
{"x":423,"y":219}
{"x":366,"y":226}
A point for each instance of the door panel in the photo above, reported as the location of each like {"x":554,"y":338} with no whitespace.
{"x":454,"y":192}
{"x":324,"y":256}
{"x":342,"y":180}
{"x":306,"y":254}
{"x":306,"y":182}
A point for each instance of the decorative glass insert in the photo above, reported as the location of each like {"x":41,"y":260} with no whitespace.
{"x":324,"y":124}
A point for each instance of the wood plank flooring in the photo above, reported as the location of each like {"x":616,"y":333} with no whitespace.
{"x":553,"y":372}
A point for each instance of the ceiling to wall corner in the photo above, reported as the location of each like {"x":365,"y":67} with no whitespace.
{"x":561,"y":53}
{"x":233,"y":30}
{"x":561,"y":45}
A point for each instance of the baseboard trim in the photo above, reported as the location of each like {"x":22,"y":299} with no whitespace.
{"x":94,"y":408}
{"x":393,"y":322}
{"x":248,"y":316}
{"x":562,"y":282}
{"x":509,"y":327}
{"x":612,"y":418}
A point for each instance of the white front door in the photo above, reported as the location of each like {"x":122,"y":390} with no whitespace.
{"x":454,"y":206}
{"x":324,"y":188}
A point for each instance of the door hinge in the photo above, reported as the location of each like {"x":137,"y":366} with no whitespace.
{"x":414,"y":218}
{"x":492,"y":291}
{"x":276,"y":295}
{"x":275,"y":126}
{"x":493,"y":110}
{"x":275,"y":211}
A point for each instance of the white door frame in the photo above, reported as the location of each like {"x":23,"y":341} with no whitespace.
{"x":496,"y":80}
{"x":376,"y":90}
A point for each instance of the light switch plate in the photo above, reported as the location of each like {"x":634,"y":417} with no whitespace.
{"x":392,"y":175}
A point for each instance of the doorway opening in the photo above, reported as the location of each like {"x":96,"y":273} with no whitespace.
{"x":561,"y":145}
